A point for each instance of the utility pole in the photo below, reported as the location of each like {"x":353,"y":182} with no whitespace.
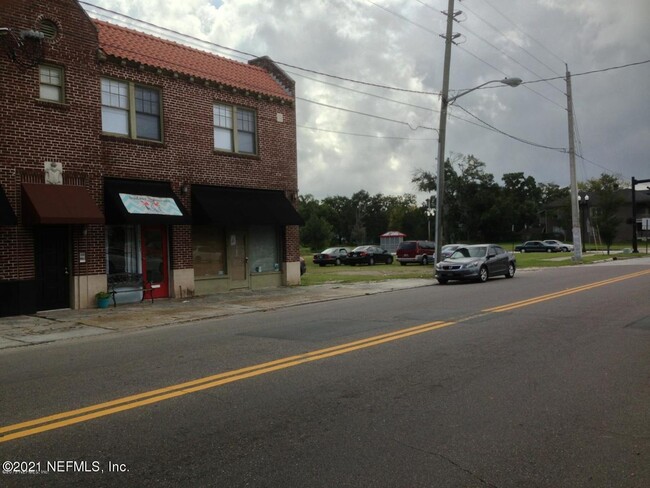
{"x":444,"y":102}
{"x":575,"y":215}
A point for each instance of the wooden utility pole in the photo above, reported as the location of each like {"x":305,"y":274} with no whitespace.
{"x":575,"y":210}
{"x":444,"y":102}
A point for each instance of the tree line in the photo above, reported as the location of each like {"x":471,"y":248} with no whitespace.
{"x":477,"y":208}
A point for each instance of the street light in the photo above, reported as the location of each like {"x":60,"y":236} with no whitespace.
{"x":583,"y":203}
{"x":445,"y":101}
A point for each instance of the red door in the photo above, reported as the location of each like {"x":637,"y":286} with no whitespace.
{"x":154,"y":260}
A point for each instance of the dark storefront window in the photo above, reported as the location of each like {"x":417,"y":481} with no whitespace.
{"x":208,"y":251}
{"x":122,"y":252}
{"x":264,"y":248}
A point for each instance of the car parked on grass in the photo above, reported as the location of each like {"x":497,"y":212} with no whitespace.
{"x":537,"y":246}
{"x":564,"y":247}
{"x":368,"y":255}
{"x":331,"y":255}
{"x":420,"y":252}
{"x":477,"y":262}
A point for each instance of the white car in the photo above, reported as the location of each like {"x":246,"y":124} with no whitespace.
{"x":563,"y":246}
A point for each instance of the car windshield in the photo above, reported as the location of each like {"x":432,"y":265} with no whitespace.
{"x":361,"y":248}
{"x":329,"y":250}
{"x":469,"y":252}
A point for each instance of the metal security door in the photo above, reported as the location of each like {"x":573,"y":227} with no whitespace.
{"x":52,"y":259}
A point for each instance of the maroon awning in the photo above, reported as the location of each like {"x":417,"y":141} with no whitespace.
{"x":59,"y":204}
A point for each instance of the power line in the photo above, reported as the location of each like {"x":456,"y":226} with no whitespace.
{"x":591,"y":72}
{"x":367,"y":115}
{"x":519,"y":139}
{"x":527,"y":35}
{"x":250,"y":55}
{"x":496,"y":29}
{"x":400,"y":16}
{"x":366,"y":135}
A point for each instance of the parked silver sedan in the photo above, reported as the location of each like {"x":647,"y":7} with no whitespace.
{"x":478,"y":262}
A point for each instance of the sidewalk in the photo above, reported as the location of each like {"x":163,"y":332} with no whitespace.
{"x":56,"y":325}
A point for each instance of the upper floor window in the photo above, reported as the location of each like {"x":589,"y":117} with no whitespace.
{"x":131,"y":110}
{"x":235,"y":129}
{"x":51,"y":83}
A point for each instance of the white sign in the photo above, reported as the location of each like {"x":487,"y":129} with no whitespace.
{"x":144,"y":204}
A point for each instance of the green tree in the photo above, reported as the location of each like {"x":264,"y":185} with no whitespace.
{"x":607,"y":201}
{"x":317,"y":233}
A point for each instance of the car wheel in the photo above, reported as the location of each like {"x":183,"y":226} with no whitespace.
{"x":511,"y":271}
{"x":425,"y":261}
{"x":549,"y":250}
{"x":522,"y":251}
{"x":338,"y":262}
{"x":389,"y":260}
{"x":483,"y":274}
{"x":442,"y":281}
{"x":371,"y":261}
{"x":565,"y":249}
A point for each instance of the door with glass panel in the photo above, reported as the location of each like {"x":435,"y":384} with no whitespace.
{"x":154,"y":259}
{"x":237,"y":259}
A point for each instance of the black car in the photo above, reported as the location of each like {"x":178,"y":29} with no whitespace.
{"x":331,"y":255}
{"x":537,"y":246}
{"x":368,"y":255}
{"x":478,"y":262}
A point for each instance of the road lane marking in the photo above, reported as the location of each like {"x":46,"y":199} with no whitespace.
{"x":63,"y":419}
{"x":563,"y":293}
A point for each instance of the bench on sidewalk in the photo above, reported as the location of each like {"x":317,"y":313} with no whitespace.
{"x":133,"y":282}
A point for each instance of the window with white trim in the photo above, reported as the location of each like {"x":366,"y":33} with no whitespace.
{"x":131,"y":110}
{"x":51,"y":83}
{"x":235,"y":129}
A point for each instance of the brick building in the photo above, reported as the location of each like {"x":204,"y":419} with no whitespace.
{"x":128,"y":162}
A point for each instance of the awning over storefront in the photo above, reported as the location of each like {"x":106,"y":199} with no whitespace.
{"x":7,"y":215}
{"x":233,"y":206}
{"x":59,"y":204}
{"x":142,"y":202}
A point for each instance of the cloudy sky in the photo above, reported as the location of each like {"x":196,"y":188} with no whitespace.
{"x":375,"y":143}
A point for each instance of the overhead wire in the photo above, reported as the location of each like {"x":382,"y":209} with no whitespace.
{"x":524,"y":33}
{"x":496,"y":29}
{"x":251,"y":55}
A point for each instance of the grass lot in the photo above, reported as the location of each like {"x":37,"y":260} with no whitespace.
{"x":317,"y":275}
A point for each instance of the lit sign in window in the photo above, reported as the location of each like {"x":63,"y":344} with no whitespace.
{"x":143,"y":204}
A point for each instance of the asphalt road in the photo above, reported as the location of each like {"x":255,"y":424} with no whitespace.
{"x":429,"y":387}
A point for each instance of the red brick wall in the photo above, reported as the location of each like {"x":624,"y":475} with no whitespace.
{"x":34,"y":132}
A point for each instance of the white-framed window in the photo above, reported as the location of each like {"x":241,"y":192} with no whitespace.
{"x":51,"y":83}
{"x":131,"y":110}
{"x":235,"y":129}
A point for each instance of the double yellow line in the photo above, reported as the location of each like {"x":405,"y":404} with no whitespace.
{"x":563,"y":293}
{"x":64,"y":419}
{"x":72,"y":417}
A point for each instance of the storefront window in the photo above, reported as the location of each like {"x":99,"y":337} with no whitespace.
{"x":264,"y":248}
{"x":208,"y":251}
{"x":122,"y":252}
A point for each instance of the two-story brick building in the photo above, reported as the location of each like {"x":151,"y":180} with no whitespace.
{"x":130,"y":161}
